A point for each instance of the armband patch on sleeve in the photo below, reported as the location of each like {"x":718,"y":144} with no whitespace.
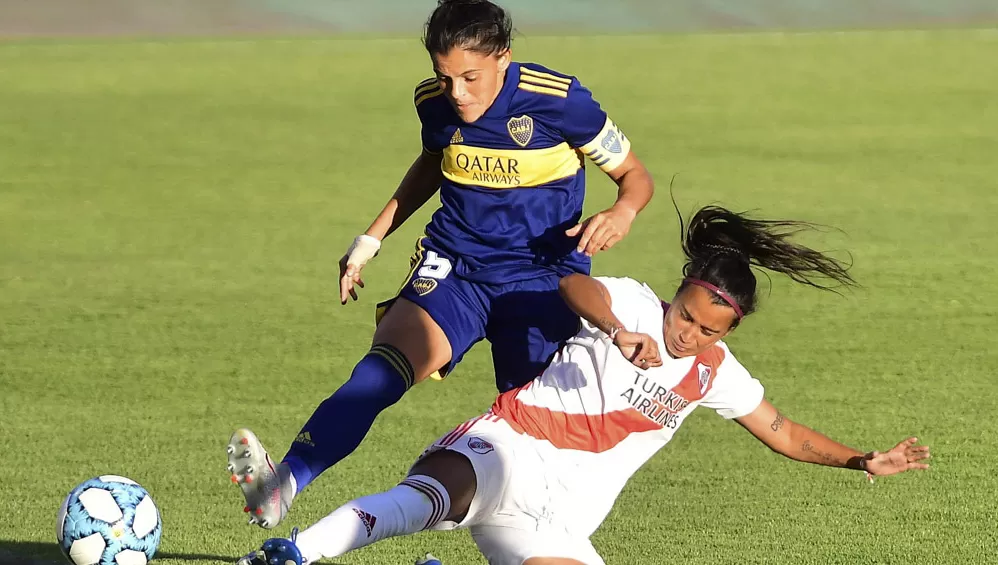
{"x":609,"y":148}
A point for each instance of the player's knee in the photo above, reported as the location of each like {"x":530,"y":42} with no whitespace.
{"x":416,"y":335}
{"x":454,"y":471}
{"x":384,"y":374}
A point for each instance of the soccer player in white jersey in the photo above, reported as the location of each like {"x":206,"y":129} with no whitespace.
{"x":535,"y":476}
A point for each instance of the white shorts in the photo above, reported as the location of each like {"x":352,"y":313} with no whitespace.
{"x":526,"y":503}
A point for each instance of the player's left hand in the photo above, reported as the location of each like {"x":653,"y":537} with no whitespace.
{"x":603,"y":230}
{"x":905,"y":456}
{"x":638,"y":348}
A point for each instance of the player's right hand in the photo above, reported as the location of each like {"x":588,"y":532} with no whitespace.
{"x":638,"y":348}
{"x":349,"y":279}
{"x":363,"y":249}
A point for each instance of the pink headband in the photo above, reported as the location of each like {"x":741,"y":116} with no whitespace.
{"x":724,"y":295}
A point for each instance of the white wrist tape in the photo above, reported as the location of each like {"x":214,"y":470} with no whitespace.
{"x":362,"y":250}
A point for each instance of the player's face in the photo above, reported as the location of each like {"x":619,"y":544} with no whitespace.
{"x":694,"y":323}
{"x":471,"y":81}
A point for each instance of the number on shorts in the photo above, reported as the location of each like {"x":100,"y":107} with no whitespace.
{"x":435,"y":266}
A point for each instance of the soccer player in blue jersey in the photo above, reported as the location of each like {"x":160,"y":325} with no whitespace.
{"x":505,"y":143}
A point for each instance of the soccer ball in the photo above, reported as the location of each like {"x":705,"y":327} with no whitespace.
{"x":109,"y":520}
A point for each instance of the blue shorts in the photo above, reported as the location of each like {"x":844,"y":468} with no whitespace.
{"x":526,"y":321}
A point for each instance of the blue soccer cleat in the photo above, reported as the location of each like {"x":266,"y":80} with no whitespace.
{"x":428,"y":560}
{"x":276,"y":551}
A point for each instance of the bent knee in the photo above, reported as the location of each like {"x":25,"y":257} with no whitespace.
{"x":454,"y":471}
{"x":412,"y":331}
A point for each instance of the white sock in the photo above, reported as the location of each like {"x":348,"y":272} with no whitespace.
{"x":290,"y":477}
{"x":417,"y":503}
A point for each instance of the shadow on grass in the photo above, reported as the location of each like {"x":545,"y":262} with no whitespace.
{"x":39,"y":553}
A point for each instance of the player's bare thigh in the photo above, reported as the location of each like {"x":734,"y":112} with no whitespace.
{"x":409,"y":328}
{"x":452,"y":470}
{"x":552,"y":561}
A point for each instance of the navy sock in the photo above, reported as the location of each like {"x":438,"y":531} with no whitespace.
{"x":340,"y":423}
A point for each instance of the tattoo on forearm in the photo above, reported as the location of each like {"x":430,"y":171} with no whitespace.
{"x":808,"y":447}
{"x":605,"y":324}
{"x":777,"y":423}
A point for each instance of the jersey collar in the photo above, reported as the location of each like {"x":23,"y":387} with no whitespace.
{"x":500,"y":107}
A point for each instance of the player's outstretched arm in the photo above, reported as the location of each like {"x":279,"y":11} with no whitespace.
{"x":603,"y":230}
{"x":801,"y":443}
{"x":420,"y":183}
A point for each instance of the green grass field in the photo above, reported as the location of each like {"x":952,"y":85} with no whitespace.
{"x":171,"y":214}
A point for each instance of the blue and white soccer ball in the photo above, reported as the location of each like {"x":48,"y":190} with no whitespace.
{"x":109,"y":520}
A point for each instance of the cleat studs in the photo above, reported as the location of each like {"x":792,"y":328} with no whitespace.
{"x":246,"y":454}
{"x":248,"y":479}
{"x":265,"y":523}
{"x":246,"y":509}
{"x":235,"y":479}
{"x":281,"y":549}
{"x":252,"y":521}
{"x":249,"y":469}
{"x":231,"y":468}
{"x":259,"y":511}
{"x":244,"y":441}
{"x":289,"y":562}
{"x":230,"y":449}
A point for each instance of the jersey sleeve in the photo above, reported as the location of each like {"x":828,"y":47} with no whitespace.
{"x":426,"y":90}
{"x":735,"y":392}
{"x":588,"y":128}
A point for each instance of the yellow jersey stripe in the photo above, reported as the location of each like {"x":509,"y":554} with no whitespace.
{"x":543,"y":90}
{"x":430,"y":80}
{"x":428,"y":95}
{"x":543,"y":82}
{"x":509,"y":168}
{"x":538,"y":74}
{"x":414,"y":261}
{"x":424,"y":88}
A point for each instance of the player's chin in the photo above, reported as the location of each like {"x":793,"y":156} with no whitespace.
{"x":469,"y":115}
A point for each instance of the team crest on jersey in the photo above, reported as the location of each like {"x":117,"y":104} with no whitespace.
{"x":704,"y":372}
{"x":479,"y":445}
{"x":611,"y":141}
{"x":521,"y":129}
{"x":424,"y":286}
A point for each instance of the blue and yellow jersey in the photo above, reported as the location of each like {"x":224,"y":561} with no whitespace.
{"x":514,"y":180}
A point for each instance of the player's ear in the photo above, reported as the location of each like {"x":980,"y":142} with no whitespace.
{"x":504,"y":59}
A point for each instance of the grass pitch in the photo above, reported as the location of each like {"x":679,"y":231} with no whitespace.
{"x":171,"y":214}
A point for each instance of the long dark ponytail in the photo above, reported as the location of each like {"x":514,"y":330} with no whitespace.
{"x":721,"y":247}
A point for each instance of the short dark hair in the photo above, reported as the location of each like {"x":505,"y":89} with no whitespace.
{"x":476,"y":25}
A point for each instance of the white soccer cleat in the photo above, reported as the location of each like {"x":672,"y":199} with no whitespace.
{"x":266,"y":487}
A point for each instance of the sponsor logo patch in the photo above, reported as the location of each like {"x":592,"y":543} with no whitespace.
{"x":368,"y":519}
